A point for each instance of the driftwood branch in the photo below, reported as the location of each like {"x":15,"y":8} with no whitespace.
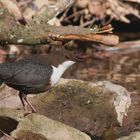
{"x":39,"y":32}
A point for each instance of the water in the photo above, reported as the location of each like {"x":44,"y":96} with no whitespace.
{"x":122,"y":69}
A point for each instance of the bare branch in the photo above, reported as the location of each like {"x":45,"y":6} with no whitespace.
{"x":39,"y":32}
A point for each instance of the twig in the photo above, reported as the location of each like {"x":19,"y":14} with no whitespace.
{"x":5,"y":134}
{"x":73,"y":15}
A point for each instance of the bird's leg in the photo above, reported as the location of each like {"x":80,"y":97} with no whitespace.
{"x":21,"y":96}
{"x":27,"y":101}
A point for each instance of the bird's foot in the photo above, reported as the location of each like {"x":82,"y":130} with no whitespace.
{"x":34,"y":111}
{"x":30,"y":112}
{"x":27,"y":113}
{"x":25,"y":109}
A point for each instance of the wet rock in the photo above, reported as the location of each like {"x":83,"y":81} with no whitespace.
{"x":133,"y":136}
{"x":36,"y":127}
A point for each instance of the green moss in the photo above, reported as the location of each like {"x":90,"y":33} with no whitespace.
{"x":48,"y":98}
{"x":79,"y":101}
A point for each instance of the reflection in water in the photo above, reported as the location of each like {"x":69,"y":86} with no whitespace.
{"x":120,"y":69}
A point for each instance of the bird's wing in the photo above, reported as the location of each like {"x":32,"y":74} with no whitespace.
{"x":26,"y":74}
{"x":6,"y":71}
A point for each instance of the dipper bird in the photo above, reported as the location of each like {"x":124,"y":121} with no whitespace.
{"x":31,"y":76}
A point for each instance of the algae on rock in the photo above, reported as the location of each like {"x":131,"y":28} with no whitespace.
{"x":90,"y":107}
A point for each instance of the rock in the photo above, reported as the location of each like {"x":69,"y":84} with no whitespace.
{"x":6,"y":138}
{"x":95,"y":108}
{"x":133,"y":136}
{"x":36,"y":127}
{"x":9,"y":97}
{"x":90,"y":107}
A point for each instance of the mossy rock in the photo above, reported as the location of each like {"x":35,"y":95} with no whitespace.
{"x":84,"y":105}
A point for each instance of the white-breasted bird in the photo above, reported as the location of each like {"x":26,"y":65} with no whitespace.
{"x":31,"y":76}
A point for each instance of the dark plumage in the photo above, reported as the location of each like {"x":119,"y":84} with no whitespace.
{"x":31,"y":75}
{"x":28,"y":76}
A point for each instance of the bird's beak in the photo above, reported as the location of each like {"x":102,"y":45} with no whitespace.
{"x":73,"y":62}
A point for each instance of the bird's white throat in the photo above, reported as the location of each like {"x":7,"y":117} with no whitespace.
{"x":58,"y":71}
